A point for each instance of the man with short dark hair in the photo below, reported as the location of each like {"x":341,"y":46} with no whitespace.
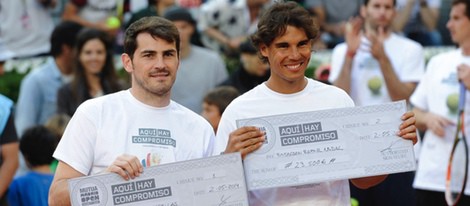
{"x":284,"y":40}
{"x":141,"y":127}
{"x":376,"y":66}
{"x":436,"y":112}
{"x":251,"y":72}
{"x":37,"y":100}
{"x":200,"y":69}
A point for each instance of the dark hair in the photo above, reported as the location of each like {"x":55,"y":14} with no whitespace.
{"x":37,"y":146}
{"x":64,"y":33}
{"x":176,"y":13}
{"x":108,"y":77}
{"x":221,"y":96}
{"x":467,"y":6}
{"x":274,"y":22}
{"x":157,"y":27}
{"x":367,"y":2}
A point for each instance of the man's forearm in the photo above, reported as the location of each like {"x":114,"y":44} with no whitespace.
{"x":59,"y":193}
{"x":7,"y":171}
{"x":402,"y":17}
{"x":396,"y":89}
{"x":430,"y":17}
{"x":9,"y":165}
{"x":344,"y":79}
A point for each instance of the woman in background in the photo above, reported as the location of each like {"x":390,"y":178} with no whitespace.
{"x":94,"y":73}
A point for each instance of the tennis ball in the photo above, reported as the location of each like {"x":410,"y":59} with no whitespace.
{"x":374,"y":84}
{"x":354,"y":202}
{"x":453,"y":102}
{"x":113,"y":22}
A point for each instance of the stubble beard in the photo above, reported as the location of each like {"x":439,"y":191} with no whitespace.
{"x":159,"y":90}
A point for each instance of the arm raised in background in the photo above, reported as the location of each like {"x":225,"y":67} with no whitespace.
{"x":429,"y":15}
{"x":397,"y":89}
{"x":403,"y":16}
{"x":71,"y":14}
{"x":353,"y":41}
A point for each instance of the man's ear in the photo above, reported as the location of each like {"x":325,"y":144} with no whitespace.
{"x":127,"y":63}
{"x":263,"y":50}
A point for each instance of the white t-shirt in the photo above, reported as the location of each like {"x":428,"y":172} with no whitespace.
{"x":367,"y":82}
{"x":98,"y":10}
{"x":105,"y":127}
{"x":262,"y":101}
{"x":25,"y":27}
{"x":439,"y":82}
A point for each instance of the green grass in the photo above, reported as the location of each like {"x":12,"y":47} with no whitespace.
{"x":10,"y":84}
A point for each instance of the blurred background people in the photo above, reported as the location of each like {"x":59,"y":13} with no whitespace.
{"x":376,"y":66}
{"x":26,"y":26}
{"x":215,"y":102}
{"x":225,"y":24}
{"x":37,"y":145}
{"x":200,"y":69}
{"x":95,"y":14}
{"x":332,"y":16}
{"x":251,"y":72}
{"x":5,"y":54}
{"x":417,"y":20}
{"x":94,"y":71}
{"x":435,"y":102}
{"x":37,"y":99}
{"x":154,"y":8}
{"x":8,"y":146}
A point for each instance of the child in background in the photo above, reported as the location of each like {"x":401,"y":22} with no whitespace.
{"x":37,"y":145}
{"x":215,"y":102}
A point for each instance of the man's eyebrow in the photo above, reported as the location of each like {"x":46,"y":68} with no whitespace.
{"x":281,"y":44}
{"x":148,"y":52}
{"x":170,"y":51}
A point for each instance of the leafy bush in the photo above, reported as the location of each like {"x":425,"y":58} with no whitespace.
{"x":10,"y":84}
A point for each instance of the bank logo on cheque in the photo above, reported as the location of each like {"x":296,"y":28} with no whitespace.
{"x":90,"y":192}
{"x":270,"y":136}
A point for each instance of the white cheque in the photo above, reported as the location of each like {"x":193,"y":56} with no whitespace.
{"x":319,"y":146}
{"x":212,"y":181}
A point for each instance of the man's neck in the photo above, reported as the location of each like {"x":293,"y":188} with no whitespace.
{"x":465,"y":48}
{"x":285,"y":87}
{"x":149,"y":98}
